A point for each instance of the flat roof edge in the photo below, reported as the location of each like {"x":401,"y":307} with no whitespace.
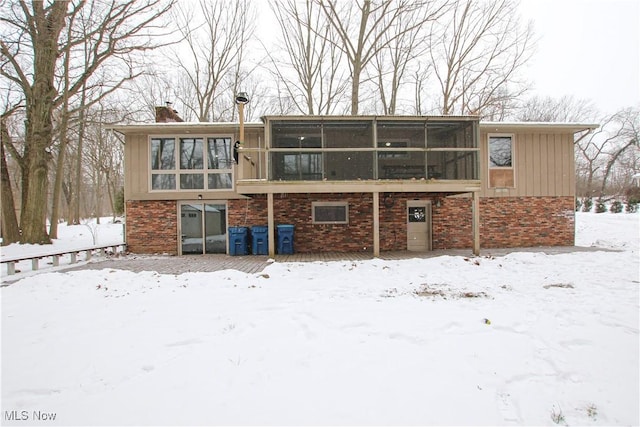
{"x":540,"y":125}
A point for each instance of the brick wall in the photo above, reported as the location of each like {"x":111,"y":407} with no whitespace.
{"x":295,"y":209}
{"x":152,"y":226}
{"x":504,"y":222}
{"x":527,"y":221}
{"x":451,"y":223}
{"x":247,"y":212}
{"x":356,"y":236}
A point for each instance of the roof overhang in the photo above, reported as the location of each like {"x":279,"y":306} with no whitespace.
{"x":537,"y":127}
{"x":206,"y":127}
{"x":398,"y":118}
{"x":182,"y":127}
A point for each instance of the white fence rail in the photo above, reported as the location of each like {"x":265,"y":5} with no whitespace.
{"x":55,"y":256}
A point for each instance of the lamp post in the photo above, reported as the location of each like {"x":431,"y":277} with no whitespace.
{"x":241,"y":99}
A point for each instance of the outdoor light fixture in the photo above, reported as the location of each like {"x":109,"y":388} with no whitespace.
{"x":242,"y":98}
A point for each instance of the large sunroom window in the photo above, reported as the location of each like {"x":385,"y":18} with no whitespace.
{"x":203,"y":163}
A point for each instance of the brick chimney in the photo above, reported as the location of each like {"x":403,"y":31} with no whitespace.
{"x":167,"y":114}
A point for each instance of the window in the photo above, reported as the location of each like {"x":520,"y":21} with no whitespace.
{"x":199,"y":166}
{"x":330,"y":212}
{"x":368,"y":149}
{"x":417,"y":214}
{"x":501,"y":161}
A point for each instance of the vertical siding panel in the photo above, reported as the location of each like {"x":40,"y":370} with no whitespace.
{"x":145,"y":164}
{"x":544,"y":165}
{"x":535,"y":171}
{"x":132,"y":141}
{"x":128,"y":155}
{"x":552,"y":142}
{"x":135,"y":173}
{"x":141,"y":168}
{"x":568,"y":140}
{"x":529,"y":170}
{"x":562,"y":185}
{"x":564,"y":159}
{"x":521,"y":166}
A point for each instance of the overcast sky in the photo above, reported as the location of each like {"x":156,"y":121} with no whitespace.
{"x":588,"y":48}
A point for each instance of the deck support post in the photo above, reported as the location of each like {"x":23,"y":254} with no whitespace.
{"x":271,"y":226}
{"x":476,"y":223}
{"x":376,"y":224}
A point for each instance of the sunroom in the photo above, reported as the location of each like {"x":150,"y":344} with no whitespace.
{"x":299,"y":153}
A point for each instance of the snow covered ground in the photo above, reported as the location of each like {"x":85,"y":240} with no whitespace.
{"x":72,"y":237}
{"x":527,"y":338}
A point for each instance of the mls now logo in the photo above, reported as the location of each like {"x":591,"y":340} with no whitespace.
{"x":26,"y":415}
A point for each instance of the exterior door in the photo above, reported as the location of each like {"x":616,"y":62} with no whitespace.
{"x":418,"y":225}
{"x":203,"y":228}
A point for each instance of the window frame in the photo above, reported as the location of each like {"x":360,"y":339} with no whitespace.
{"x":503,"y":170}
{"x":315,"y":205}
{"x":177,"y":172}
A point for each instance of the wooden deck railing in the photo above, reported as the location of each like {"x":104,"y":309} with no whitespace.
{"x":55,"y":256}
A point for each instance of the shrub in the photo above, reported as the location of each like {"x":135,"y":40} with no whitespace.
{"x":632,"y":198}
{"x":587,"y":205}
{"x":578,"y":204}
{"x":600,"y":206}
{"x":616,"y":207}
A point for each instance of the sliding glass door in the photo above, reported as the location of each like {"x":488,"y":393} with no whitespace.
{"x":203,"y":228}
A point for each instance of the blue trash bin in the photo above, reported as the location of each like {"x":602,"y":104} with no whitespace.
{"x":238,"y":241}
{"x":285,"y":239}
{"x":259,"y":240}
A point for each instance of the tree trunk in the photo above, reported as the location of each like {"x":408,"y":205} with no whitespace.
{"x":10,"y":229}
{"x":57,"y":185}
{"x":355,"y":88}
{"x":48,"y":24}
{"x":78,"y":172}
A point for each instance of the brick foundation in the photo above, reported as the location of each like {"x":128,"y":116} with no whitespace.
{"x":504,"y":222}
{"x":508,"y":222}
{"x":152,"y":226}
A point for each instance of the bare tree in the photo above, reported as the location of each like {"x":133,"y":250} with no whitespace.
{"x":391,"y":63}
{"x":215,"y":34}
{"x":627,"y":137}
{"x":311,"y":76}
{"x":598,"y":156}
{"x":478,"y":50}
{"x":564,"y":109}
{"x":419,"y":77}
{"x":104,"y":158}
{"x":365,"y":27}
{"x":32,"y":45}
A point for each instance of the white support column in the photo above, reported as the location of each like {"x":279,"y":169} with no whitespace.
{"x":476,"y":223}
{"x":271,"y":226}
{"x":376,"y":224}
{"x":55,"y":259}
{"x":11,"y":268}
{"x":34,"y":263}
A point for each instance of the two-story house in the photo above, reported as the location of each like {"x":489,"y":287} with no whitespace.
{"x":351,"y":183}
